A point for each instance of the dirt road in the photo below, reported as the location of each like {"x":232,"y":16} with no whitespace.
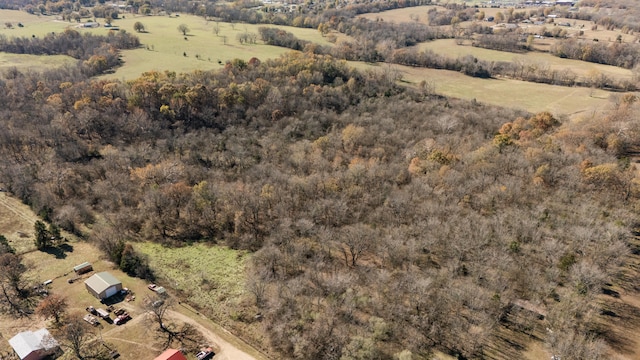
{"x":226,"y":350}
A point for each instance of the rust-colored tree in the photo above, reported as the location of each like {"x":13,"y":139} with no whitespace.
{"x":53,"y":306}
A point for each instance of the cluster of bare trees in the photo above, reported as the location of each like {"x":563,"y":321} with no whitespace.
{"x":616,"y":54}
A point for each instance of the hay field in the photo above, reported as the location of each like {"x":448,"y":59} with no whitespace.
{"x":403,"y":14}
{"x":33,"y":62}
{"x":524,"y":95}
{"x":164,"y":46}
{"x":449,"y":48}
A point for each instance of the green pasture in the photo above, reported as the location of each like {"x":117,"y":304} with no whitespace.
{"x":164,"y":46}
{"x":208,"y":276}
{"x":33,"y":62}
{"x":37,"y":25}
{"x":450,"y":48}
{"x":403,"y":14}
{"x":524,"y":95}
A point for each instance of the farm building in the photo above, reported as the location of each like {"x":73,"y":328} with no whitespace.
{"x":103,"y":285}
{"x":30,"y":345}
{"x":82,"y":268}
{"x":171,"y":354}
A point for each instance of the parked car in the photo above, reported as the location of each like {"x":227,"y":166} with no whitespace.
{"x":205,"y":354}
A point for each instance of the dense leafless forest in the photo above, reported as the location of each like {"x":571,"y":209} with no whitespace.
{"x":382,"y":220}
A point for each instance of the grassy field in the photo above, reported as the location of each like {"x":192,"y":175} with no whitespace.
{"x":528,"y":96}
{"x":449,"y":48}
{"x":16,"y":223}
{"x":210,"y":277}
{"x":33,"y":62}
{"x":164,"y":47}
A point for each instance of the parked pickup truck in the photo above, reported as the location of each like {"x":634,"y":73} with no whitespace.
{"x":122,"y":318}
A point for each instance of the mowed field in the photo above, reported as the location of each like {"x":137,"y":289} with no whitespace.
{"x":420,"y":14}
{"x":137,"y":339}
{"x":164,"y":47}
{"x":450,"y":48}
{"x":524,"y":95}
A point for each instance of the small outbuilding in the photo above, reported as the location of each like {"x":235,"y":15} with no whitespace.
{"x":103,"y":285}
{"x":34,"y":345}
{"x":85,"y":267}
{"x":171,"y":354}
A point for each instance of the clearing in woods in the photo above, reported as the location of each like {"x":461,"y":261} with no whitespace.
{"x":532,"y":97}
{"x":450,"y":48}
{"x":164,"y":47}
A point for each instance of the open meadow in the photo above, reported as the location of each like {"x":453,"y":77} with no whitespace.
{"x":532,"y":97}
{"x":450,"y":48}
{"x":164,"y":47}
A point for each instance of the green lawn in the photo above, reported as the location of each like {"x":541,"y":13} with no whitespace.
{"x":208,"y":276}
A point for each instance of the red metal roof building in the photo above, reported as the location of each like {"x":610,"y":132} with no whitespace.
{"x":171,"y":354}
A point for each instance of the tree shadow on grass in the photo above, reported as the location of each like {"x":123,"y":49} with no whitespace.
{"x":60,"y":251}
{"x":620,"y":326}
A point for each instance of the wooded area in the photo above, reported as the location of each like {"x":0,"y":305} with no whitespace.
{"x":382,"y":219}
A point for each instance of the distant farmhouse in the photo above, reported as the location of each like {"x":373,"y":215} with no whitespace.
{"x":30,"y":345}
{"x":103,"y":285}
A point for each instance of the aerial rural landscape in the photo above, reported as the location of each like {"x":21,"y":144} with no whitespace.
{"x":342,"y":180}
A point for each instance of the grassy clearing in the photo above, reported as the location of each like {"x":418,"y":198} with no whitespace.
{"x":532,"y":97}
{"x":404,"y":14}
{"x":164,"y":47}
{"x":450,"y":48}
{"x":33,"y":62}
{"x":33,"y":24}
{"x":16,"y":223}
{"x":210,"y":277}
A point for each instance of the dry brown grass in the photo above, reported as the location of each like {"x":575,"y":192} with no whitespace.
{"x":16,"y":223}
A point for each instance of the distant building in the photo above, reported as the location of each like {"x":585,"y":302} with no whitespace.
{"x":82,"y":268}
{"x":30,"y":345}
{"x":103,"y":285}
{"x":171,"y":354}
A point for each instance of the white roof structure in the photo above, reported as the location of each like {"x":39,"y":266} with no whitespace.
{"x":102,"y":281}
{"x":28,"y":342}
